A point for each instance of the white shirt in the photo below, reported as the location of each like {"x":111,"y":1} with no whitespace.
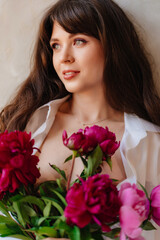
{"x":139,"y":148}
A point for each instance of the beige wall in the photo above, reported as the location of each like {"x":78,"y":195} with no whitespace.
{"x":19,"y":20}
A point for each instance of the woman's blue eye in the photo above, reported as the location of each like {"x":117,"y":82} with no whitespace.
{"x":79,"y":42}
{"x":55,"y":46}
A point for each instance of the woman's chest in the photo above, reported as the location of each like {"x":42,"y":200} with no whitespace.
{"x":54,"y":152}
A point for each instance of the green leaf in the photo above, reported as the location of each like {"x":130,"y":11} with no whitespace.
{"x":3,"y":209}
{"x":17,"y":208}
{"x":74,"y":233}
{"x":109,"y":161}
{"x":16,"y":198}
{"x":114,"y":234}
{"x":4,"y":229}
{"x":29,"y":211}
{"x":97,"y":236}
{"x":55,"y":204}
{"x":47,"y":209}
{"x":8,"y":229}
{"x":41,"y":220}
{"x":46,"y":188}
{"x":19,"y":236}
{"x":148,"y":226}
{"x":58,"y":207}
{"x":145,"y":191}
{"x":61,"y":172}
{"x":84,"y":161}
{"x":47,"y":231}
{"x":68,"y":159}
{"x":114,"y":180}
{"x":60,"y":197}
{"x":94,"y":161}
{"x":4,"y":219}
{"x":75,"y":154}
{"x":85,"y":233}
{"x":33,"y":200}
{"x":60,"y":185}
{"x":23,"y":212}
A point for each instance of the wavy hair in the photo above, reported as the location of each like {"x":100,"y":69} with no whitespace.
{"x":127,"y":73}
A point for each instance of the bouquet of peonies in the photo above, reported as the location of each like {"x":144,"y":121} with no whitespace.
{"x":89,"y":208}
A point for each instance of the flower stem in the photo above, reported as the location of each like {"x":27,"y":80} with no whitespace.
{"x":23,"y":229}
{"x":70,"y":175}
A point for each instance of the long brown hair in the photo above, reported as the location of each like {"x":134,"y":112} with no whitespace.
{"x":127,"y":74}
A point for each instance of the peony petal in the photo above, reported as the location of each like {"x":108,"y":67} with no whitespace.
{"x":82,"y":220}
{"x":137,"y":238}
{"x":31,"y":178}
{"x":156,"y":215}
{"x":1,"y":195}
{"x":109,"y":147}
{"x":5,"y":156}
{"x":15,"y":184}
{"x":64,"y":136}
{"x":5,"y":179}
{"x":96,"y":133}
{"x":122,"y":235}
{"x":20,"y":177}
{"x":130,"y":222}
{"x":105,"y":228}
{"x":155,"y":199}
{"x":17,"y":161}
{"x":129,"y":196}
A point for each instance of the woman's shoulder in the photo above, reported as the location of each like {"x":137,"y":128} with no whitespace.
{"x":135,"y":123}
{"x":42,"y":120}
{"x":138,"y":129}
{"x":44,"y":114}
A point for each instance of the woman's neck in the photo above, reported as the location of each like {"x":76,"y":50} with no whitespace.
{"x":92,"y":108}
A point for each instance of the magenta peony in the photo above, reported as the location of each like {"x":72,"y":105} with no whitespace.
{"x":95,"y":200}
{"x":134,"y":210}
{"x":17,"y":164}
{"x":86,"y":140}
{"x":155,"y":204}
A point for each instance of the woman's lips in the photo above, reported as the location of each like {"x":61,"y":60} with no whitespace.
{"x":70,"y":74}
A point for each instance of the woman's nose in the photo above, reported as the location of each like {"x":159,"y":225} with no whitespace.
{"x":67,"y":56}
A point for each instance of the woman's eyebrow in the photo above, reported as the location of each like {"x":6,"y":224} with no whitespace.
{"x":54,"y":40}
{"x":57,"y":40}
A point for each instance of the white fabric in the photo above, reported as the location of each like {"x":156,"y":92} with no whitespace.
{"x":140,"y":147}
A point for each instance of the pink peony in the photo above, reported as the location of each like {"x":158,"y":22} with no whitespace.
{"x":134,"y":210}
{"x":95,"y":200}
{"x":155,"y":204}
{"x":85,"y":141}
{"x":17,"y":164}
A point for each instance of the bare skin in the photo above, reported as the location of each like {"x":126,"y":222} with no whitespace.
{"x":79,"y":62}
{"x":53,"y":144}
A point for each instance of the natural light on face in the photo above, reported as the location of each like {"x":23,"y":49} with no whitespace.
{"x":78,"y":59}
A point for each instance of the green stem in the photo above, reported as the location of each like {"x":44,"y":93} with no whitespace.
{"x":70,"y":175}
{"x":23,"y":229}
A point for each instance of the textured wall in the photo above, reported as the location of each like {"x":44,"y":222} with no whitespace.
{"x":19,"y":21}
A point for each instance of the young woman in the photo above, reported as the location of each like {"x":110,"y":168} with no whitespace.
{"x":90,"y":68}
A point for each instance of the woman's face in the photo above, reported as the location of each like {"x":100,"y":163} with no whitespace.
{"x":78,"y":60}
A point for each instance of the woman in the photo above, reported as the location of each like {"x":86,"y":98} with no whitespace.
{"x":90,"y":68}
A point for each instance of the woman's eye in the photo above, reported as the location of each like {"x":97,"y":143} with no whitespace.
{"x":55,"y":46}
{"x":79,"y":42}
